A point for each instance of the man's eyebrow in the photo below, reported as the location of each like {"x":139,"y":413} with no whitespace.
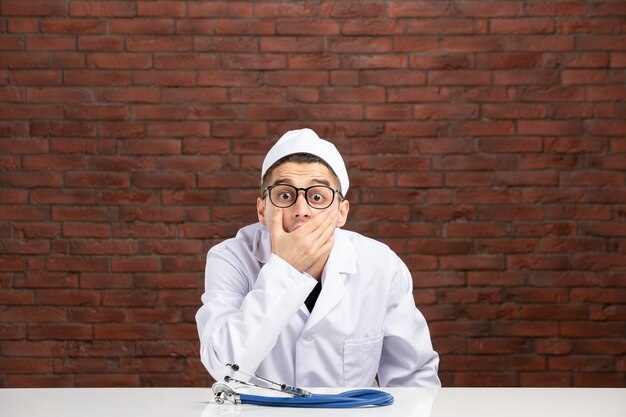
{"x":321,"y":181}
{"x":282,"y":181}
{"x":314,"y":181}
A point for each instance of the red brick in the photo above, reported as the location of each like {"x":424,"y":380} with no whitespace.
{"x":157,"y":181}
{"x":25,"y":366}
{"x":599,"y":262}
{"x":416,"y":262}
{"x":100,"y":43}
{"x":244,"y":27}
{"x":448,"y":61}
{"x":592,"y":178}
{"x":404,"y":9}
{"x":103,"y":9}
{"x":291,"y":10}
{"x":183,"y":61}
{"x":164,"y":8}
{"x":81,"y":145}
{"x":107,"y":380}
{"x":14,"y":197}
{"x":521,"y":26}
{"x":167,"y":348}
{"x":194,"y":264}
{"x":376,"y":61}
{"x":151,"y":315}
{"x":164,"y":78}
{"x":135,"y":264}
{"x":584,"y":329}
{"x":526,"y":77}
{"x":119,"y":61}
{"x":216,"y":9}
{"x":73,"y":26}
{"x":156,"y":44}
{"x":97,"y":179}
{"x":96,"y":112}
{"x":107,"y":280}
{"x":472,"y":262}
{"x":307,"y":27}
{"x":23,"y":111}
{"x":606,"y":128}
{"x":130,"y":298}
{"x":37,"y":78}
{"x":46,"y":43}
{"x":475,"y":229}
{"x":604,"y":379}
{"x":601,"y":43}
{"x":538,"y":262}
{"x":150,"y":147}
{"x":60,"y":332}
{"x":514,"y":61}
{"x":379,"y":26}
{"x":168,"y":246}
{"x":587,"y":211}
{"x":75,"y":263}
{"x":23,"y":61}
{"x":473,"y":44}
{"x":142,"y":26}
{"x":125,"y":332}
{"x":353,"y":9}
{"x":90,"y":77}
{"x":592,"y":76}
{"x":33,"y":8}
{"x":544,"y":379}
{"x":22,"y":25}
{"x":178,"y":298}
{"x":12,"y":331}
{"x":67,"y":60}
{"x":180,"y":332}
{"x":21,"y":213}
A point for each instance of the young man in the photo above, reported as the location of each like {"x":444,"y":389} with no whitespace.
{"x":298,"y":300}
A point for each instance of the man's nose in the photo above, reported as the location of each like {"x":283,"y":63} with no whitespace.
{"x":301,"y":208}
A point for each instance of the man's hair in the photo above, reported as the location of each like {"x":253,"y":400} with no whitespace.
{"x":299,"y":158}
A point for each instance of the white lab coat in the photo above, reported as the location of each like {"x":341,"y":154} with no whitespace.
{"x":364,"y":327}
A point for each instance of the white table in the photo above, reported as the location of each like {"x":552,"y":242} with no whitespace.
{"x":183,"y":402}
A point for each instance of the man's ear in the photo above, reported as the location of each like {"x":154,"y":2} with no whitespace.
{"x":344,"y":208}
{"x":260,"y":210}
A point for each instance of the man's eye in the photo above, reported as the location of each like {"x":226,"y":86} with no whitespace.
{"x":317,"y":198}
{"x":285,"y":196}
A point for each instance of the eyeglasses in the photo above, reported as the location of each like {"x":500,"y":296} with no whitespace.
{"x":317,"y":196}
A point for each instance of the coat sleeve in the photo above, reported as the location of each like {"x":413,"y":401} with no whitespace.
{"x":242,"y":317}
{"x":407,"y":358}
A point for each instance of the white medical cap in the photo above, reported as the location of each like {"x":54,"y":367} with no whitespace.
{"x":307,"y":141}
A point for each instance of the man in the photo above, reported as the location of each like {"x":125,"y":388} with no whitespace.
{"x":298,"y":300}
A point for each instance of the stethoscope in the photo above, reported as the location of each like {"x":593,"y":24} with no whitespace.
{"x":299,"y":397}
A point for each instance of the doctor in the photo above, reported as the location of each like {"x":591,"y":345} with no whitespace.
{"x":299,"y":300}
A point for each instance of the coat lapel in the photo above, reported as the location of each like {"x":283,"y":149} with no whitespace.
{"x":341,"y":262}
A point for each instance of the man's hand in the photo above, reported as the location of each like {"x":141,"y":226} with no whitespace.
{"x":307,"y":248}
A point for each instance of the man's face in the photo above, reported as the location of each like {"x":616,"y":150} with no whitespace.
{"x":302,"y":175}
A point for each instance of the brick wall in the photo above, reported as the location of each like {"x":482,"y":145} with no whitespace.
{"x":486,"y":144}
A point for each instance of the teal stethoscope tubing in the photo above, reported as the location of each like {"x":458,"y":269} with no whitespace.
{"x":347,"y":399}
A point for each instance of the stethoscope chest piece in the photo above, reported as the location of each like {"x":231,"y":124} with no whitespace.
{"x":223,"y":393}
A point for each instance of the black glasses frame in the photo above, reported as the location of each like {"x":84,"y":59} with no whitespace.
{"x":268,"y":191}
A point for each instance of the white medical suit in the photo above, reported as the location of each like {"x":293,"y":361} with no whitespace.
{"x":364,"y":329}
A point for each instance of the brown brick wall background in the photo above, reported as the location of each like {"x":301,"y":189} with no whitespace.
{"x":486,"y":145}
